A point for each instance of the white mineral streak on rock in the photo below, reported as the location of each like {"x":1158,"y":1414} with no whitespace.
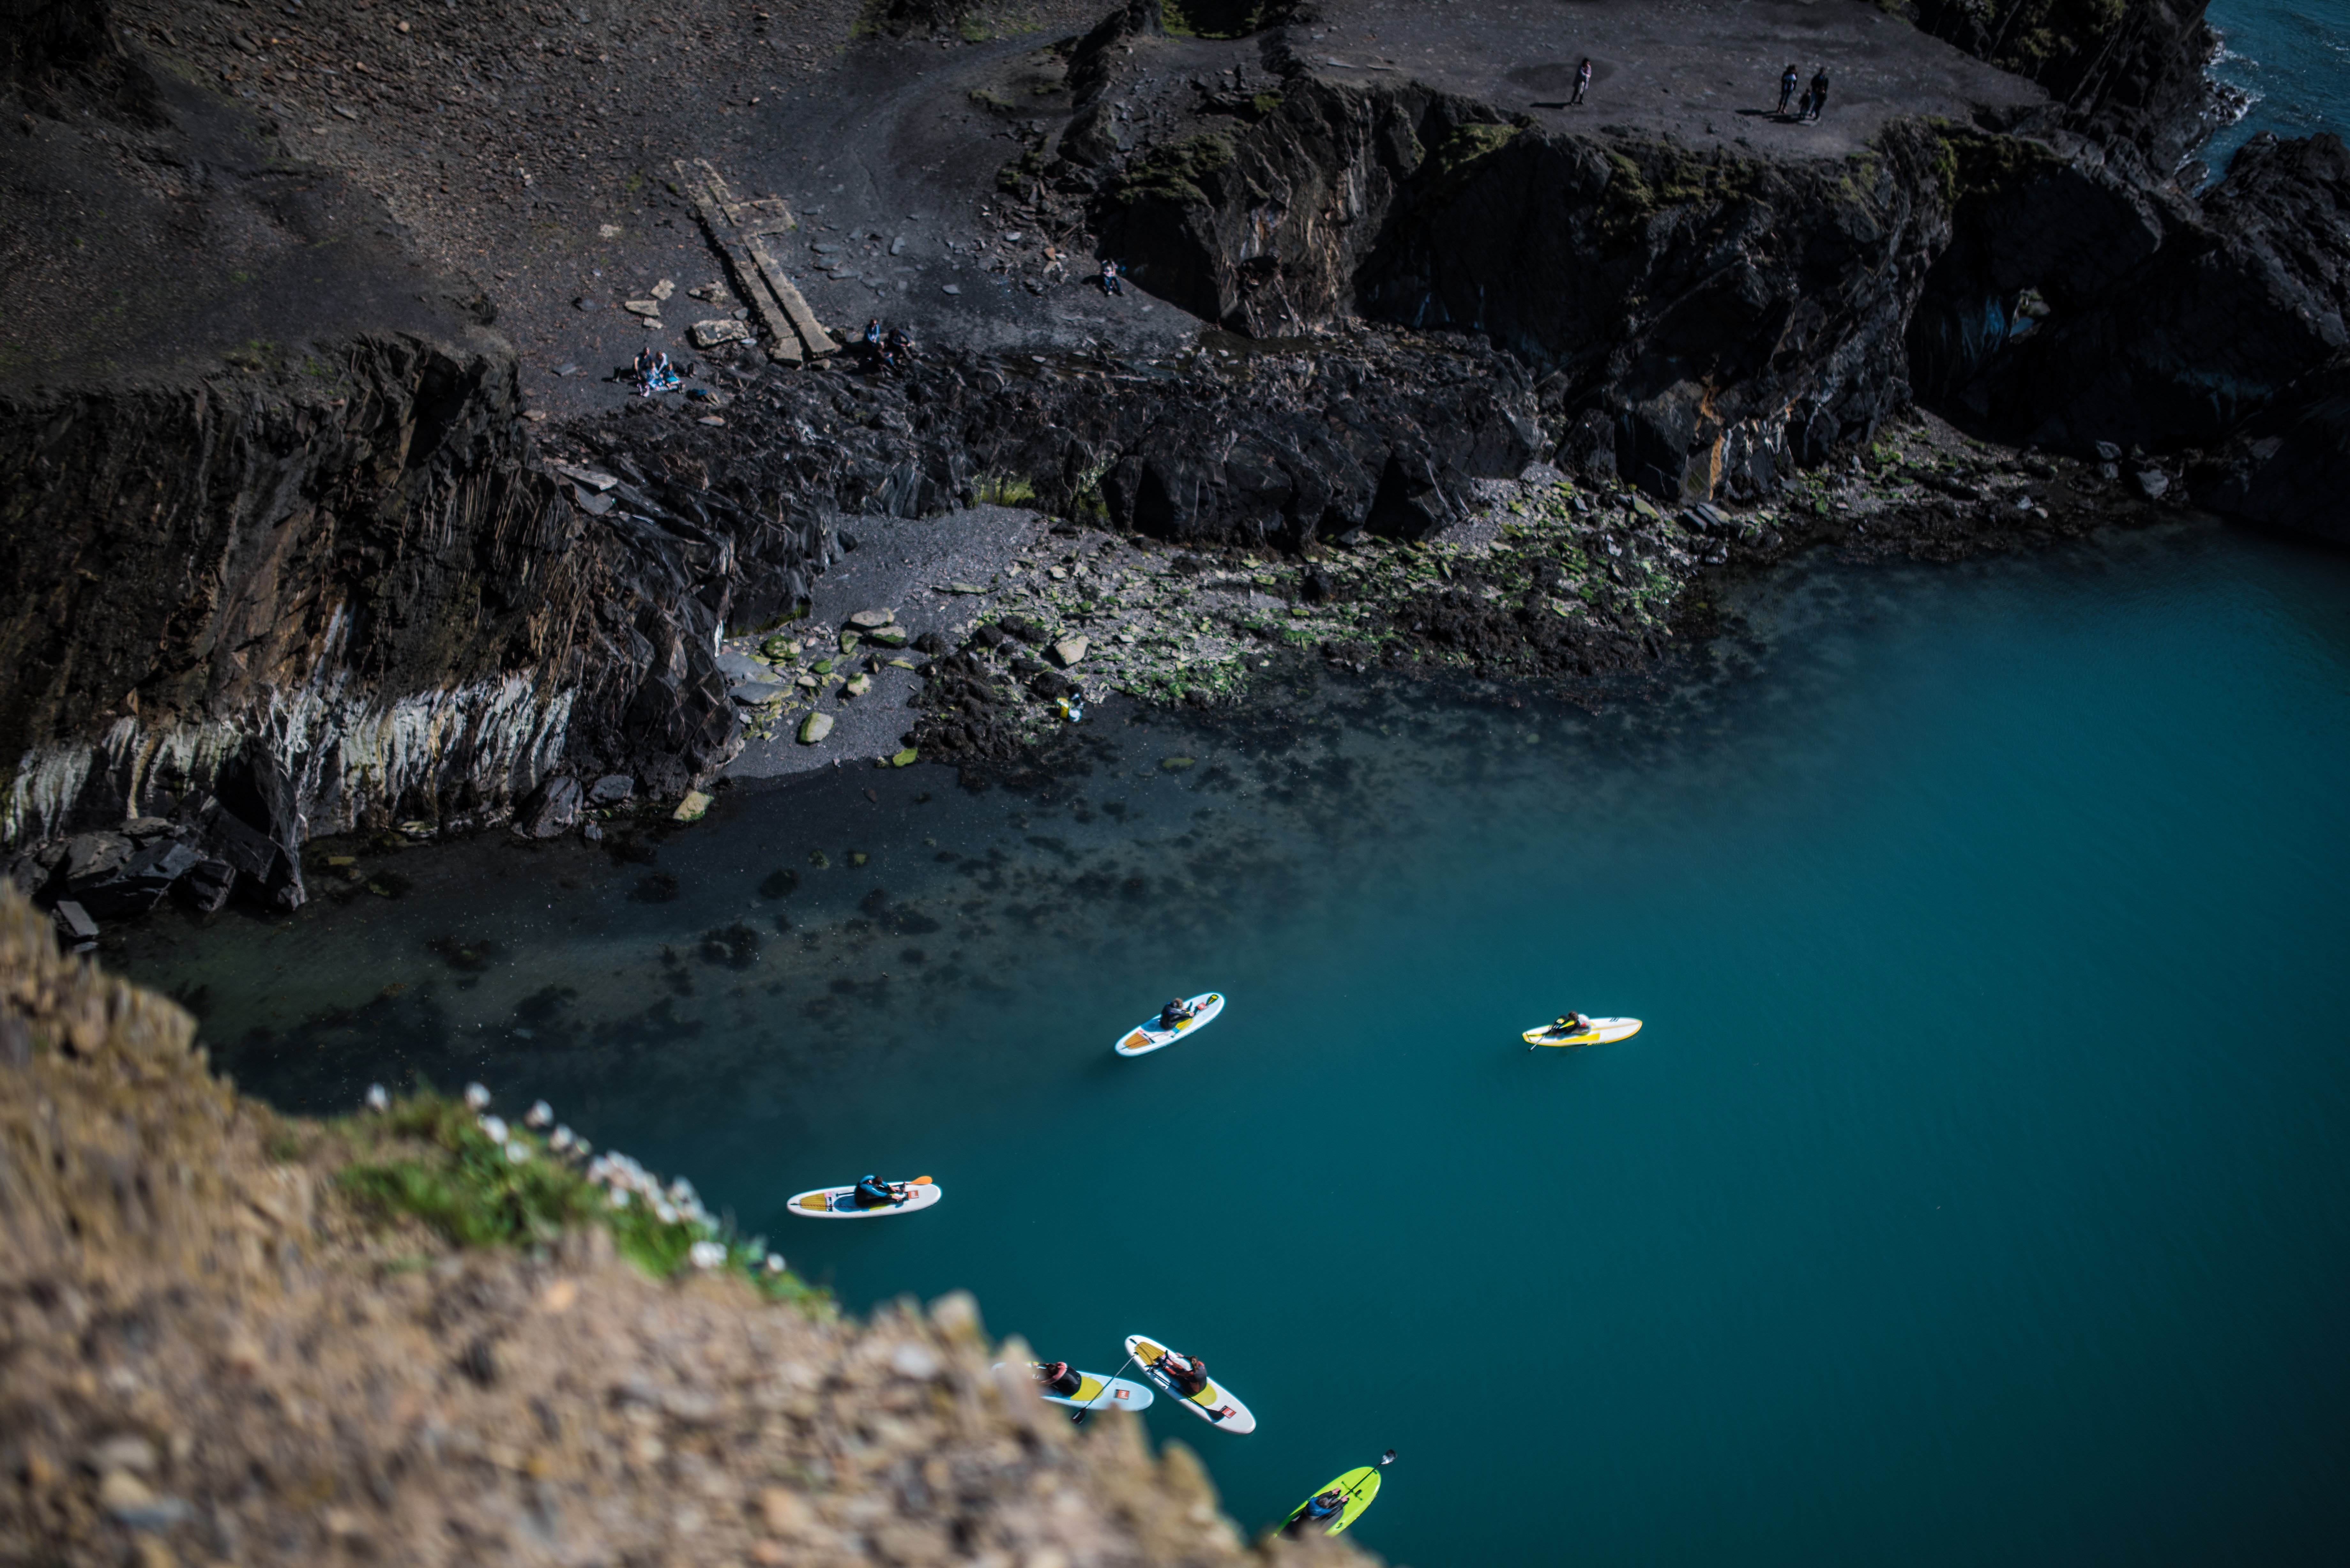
{"x":346,"y":750}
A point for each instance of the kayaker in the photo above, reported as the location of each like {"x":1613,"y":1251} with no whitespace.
{"x":872,"y":1193}
{"x":1176,"y":1012}
{"x":1059,"y":1376}
{"x":1189,"y":1373}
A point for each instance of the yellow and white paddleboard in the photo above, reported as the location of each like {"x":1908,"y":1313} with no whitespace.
{"x":1601,"y":1032}
{"x":1095,"y":1392}
{"x":1212,"y":1404}
{"x":841,"y":1202}
{"x":1145,"y":1038}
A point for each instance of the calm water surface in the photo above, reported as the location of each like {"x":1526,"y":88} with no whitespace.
{"x":1977,"y":1189}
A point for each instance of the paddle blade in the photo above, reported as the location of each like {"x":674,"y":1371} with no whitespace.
{"x":1387,"y":1458}
{"x":920,"y":1181}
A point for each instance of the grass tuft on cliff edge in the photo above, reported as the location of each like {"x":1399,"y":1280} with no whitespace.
{"x":431,"y":1158}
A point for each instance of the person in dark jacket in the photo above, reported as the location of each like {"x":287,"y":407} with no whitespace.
{"x":1059,"y":1377}
{"x":1818,"y":99}
{"x":872,"y":1193}
{"x":1582,"y":80}
{"x":1189,"y":1373}
{"x":1175,"y":1013}
{"x":1786,"y":88}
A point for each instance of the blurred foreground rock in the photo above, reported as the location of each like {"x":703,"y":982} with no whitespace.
{"x":209,"y":1355}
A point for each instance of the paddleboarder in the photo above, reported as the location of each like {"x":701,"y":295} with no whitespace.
{"x":1059,"y":1376}
{"x":1176,"y":1012}
{"x":1189,"y":1373}
{"x":872,"y":1193}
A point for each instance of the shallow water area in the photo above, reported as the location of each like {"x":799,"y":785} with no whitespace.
{"x":1975,"y":1187}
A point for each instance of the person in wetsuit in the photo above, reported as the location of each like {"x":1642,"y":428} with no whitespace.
{"x":1572,"y":1025}
{"x":872,"y":1193}
{"x":1323,"y":1506}
{"x":1189,"y":1373}
{"x":1175,"y":1013}
{"x":1059,"y":1377}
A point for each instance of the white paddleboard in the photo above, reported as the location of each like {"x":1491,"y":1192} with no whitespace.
{"x":1601,"y":1032}
{"x":1214,"y":1403}
{"x":1146,"y":1037}
{"x":841,"y":1202}
{"x":1095,"y":1392}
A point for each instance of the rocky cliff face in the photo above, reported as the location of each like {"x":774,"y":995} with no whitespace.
{"x":261,"y":605}
{"x":1706,"y":326}
{"x":2128,"y":76}
{"x":216,"y":1351}
{"x":280,"y":558}
{"x":1703,"y":326}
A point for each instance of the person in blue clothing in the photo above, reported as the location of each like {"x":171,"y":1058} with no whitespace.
{"x":1786,"y":88}
{"x":1324,"y":1505}
{"x":872,"y":1193}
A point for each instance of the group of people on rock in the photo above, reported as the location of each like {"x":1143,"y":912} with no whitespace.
{"x":1815,"y":96}
{"x":1815,"y":99}
{"x":886,"y":350}
{"x":654,"y":373}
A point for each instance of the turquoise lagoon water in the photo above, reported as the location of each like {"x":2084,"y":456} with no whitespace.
{"x":1977,"y":1192}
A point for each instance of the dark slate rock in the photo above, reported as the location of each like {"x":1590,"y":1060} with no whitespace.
{"x":552,"y":809}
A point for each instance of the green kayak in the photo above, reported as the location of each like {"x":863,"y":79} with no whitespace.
{"x":1357,"y":1485}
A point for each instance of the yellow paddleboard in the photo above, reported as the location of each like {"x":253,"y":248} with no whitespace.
{"x":1601,"y":1032}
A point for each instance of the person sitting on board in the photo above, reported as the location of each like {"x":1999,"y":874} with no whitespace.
{"x":1324,"y":1505}
{"x":1176,"y":1013}
{"x":1573,"y":1023}
{"x":872,"y":1193}
{"x":1058,"y":1377}
{"x":1189,"y":1373}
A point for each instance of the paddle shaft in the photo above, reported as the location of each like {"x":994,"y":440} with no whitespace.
{"x":1088,"y":1408}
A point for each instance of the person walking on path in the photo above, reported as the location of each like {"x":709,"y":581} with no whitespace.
{"x":1818,"y":98}
{"x":1582,"y":80}
{"x":1786,"y":88}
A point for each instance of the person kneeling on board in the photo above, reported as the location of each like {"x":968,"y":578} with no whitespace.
{"x":1323,"y":1505}
{"x":1176,"y":1012}
{"x":1058,"y":1377}
{"x":1188,"y":1373}
{"x":873,"y":1192}
{"x":1573,"y":1023}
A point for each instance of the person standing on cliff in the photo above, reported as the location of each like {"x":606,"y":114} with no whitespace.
{"x":1582,"y":82}
{"x":1818,"y":98}
{"x":1786,"y":88}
